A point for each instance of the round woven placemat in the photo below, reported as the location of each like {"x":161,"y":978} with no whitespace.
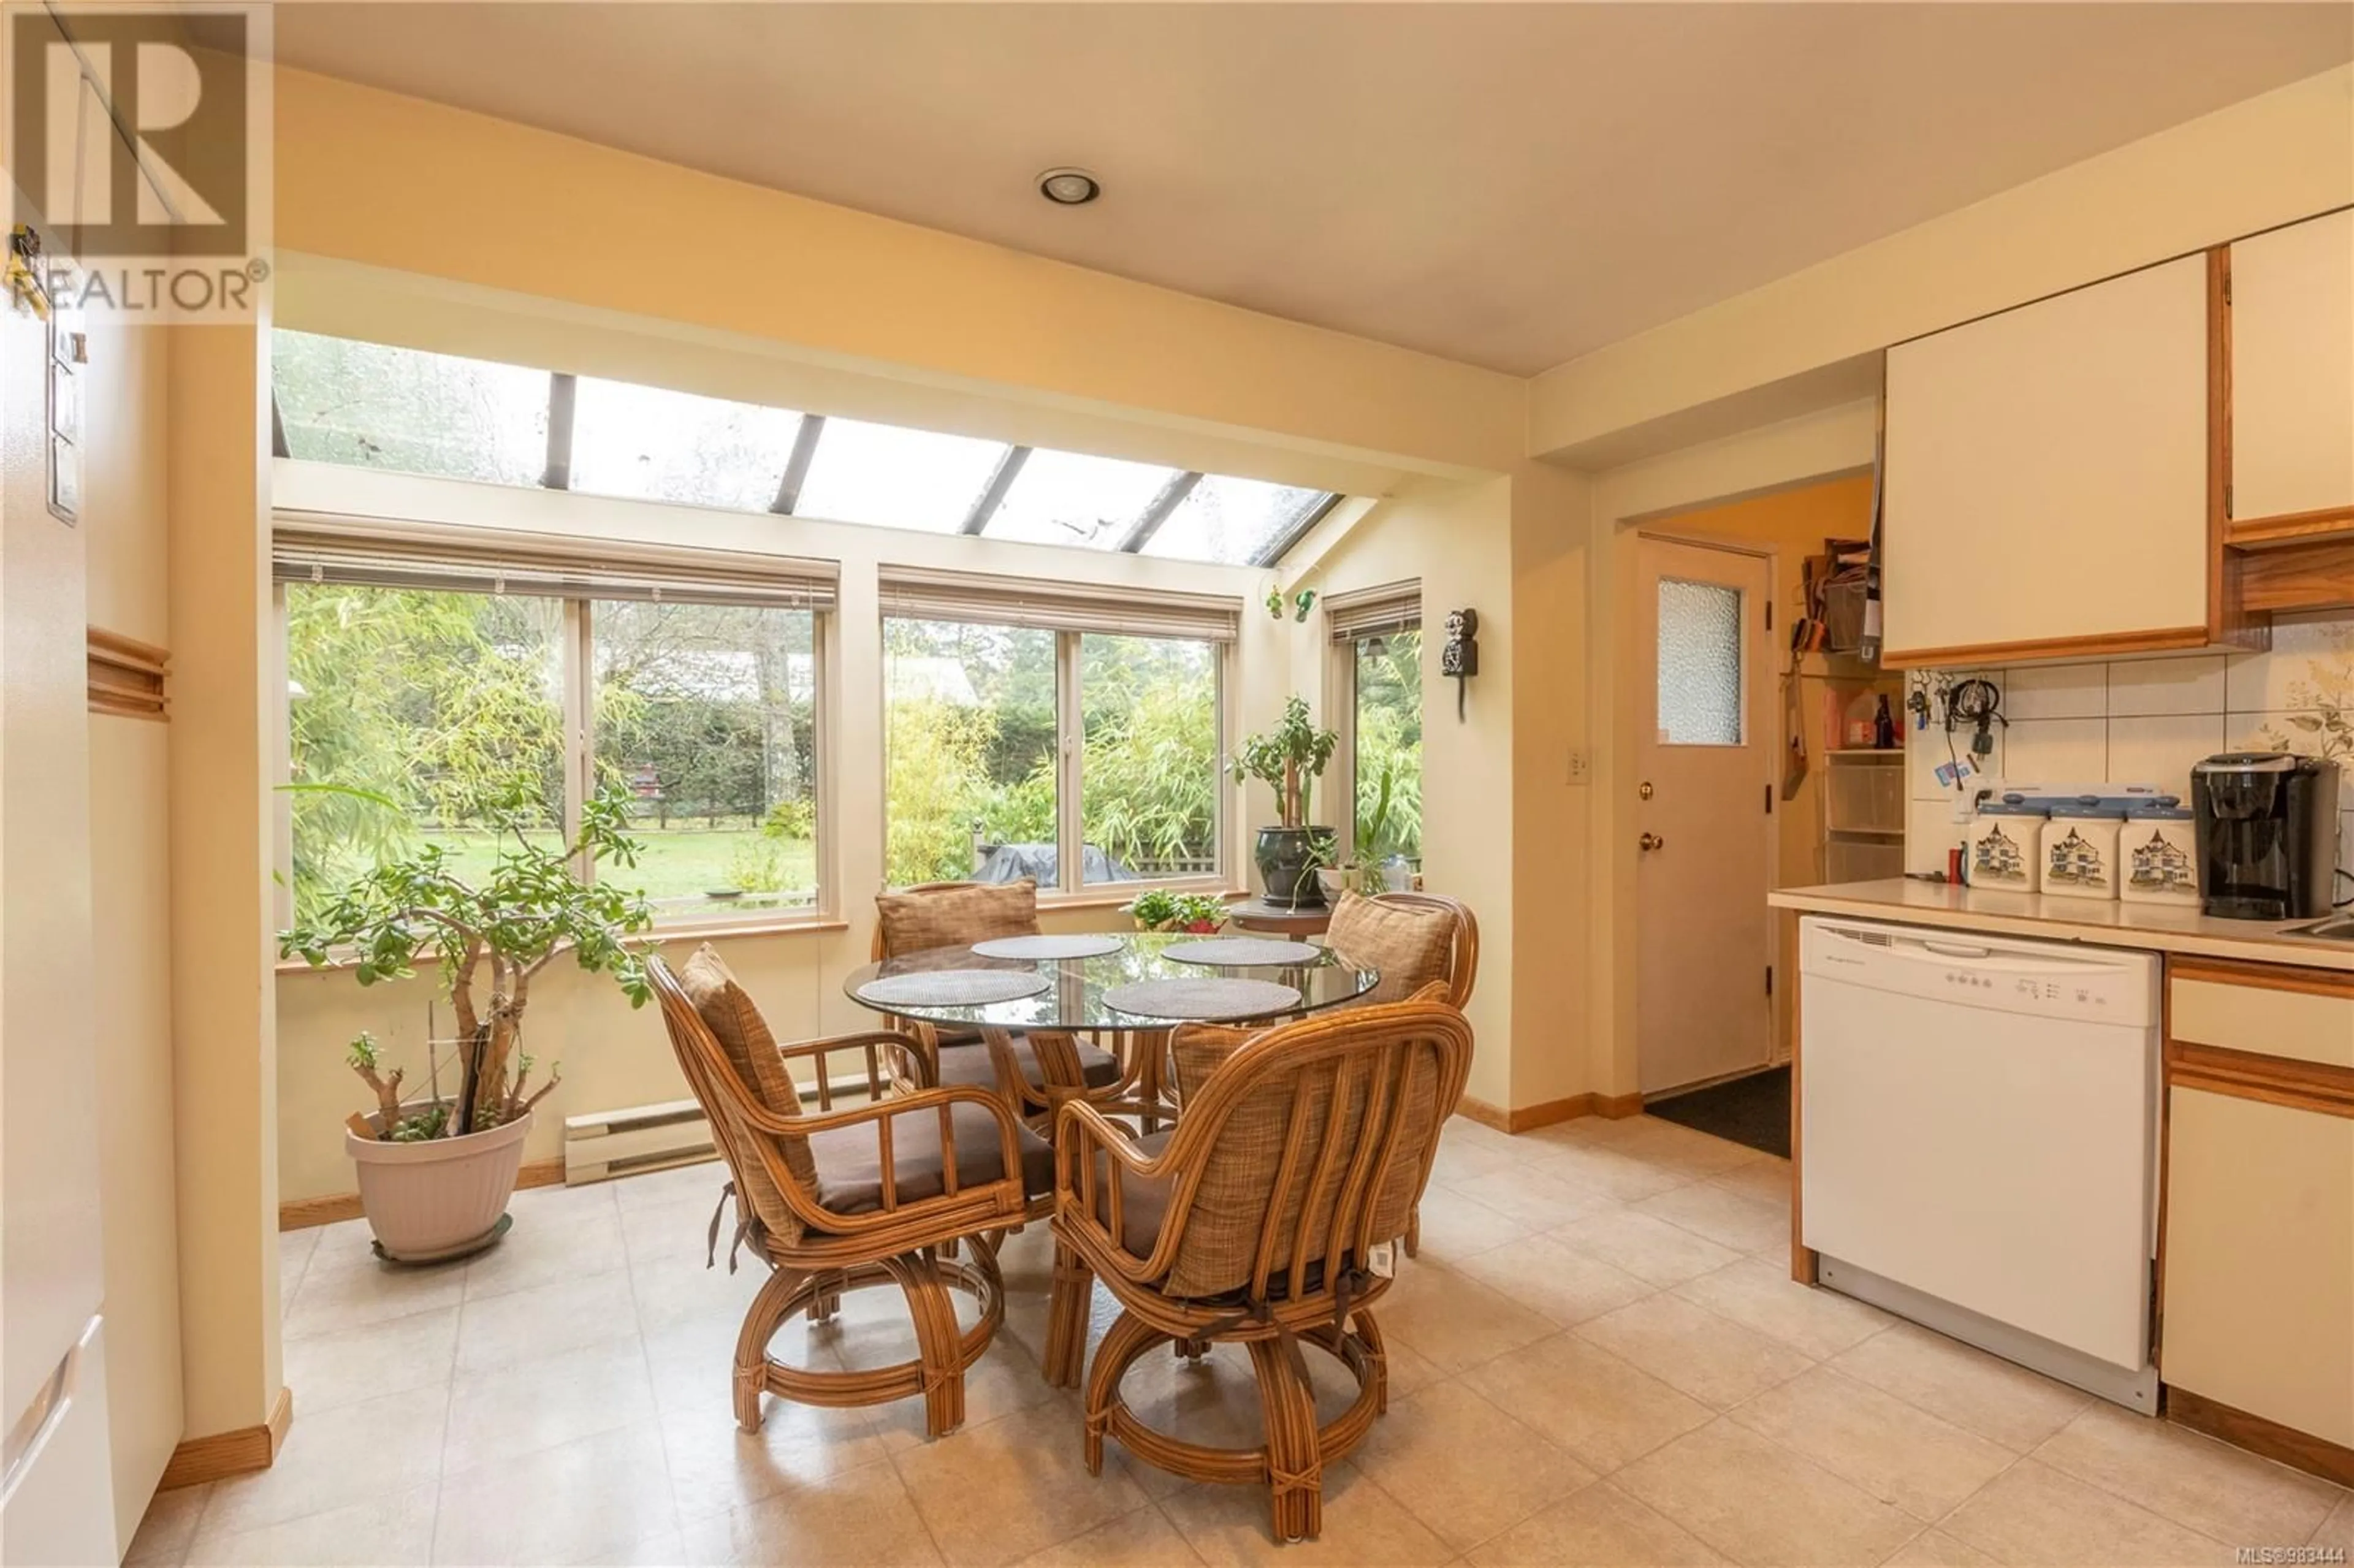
{"x":952,"y":987}
{"x":1242,"y":952}
{"x":1210,"y":996}
{"x":1047,"y":947}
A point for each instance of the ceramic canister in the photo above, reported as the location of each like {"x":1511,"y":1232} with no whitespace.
{"x":1999,"y":849}
{"x":2079,"y":852}
{"x":2157,"y":854}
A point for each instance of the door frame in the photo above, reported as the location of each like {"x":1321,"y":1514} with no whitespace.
{"x":1634,"y":703}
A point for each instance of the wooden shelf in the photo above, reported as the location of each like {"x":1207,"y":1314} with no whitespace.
{"x":2290,"y":576}
{"x":2291,"y":530}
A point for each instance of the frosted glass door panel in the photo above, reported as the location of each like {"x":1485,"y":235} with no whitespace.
{"x":1700,"y":690}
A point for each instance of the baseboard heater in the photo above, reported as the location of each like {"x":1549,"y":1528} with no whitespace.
{"x":602,"y":1145}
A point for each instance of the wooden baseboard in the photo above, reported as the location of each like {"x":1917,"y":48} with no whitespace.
{"x":1521,"y":1118}
{"x":233,"y":1452}
{"x":2259,"y":1434}
{"x":304,"y":1212}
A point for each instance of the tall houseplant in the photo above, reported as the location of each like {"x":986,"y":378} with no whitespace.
{"x":435,"y":1174}
{"x":1291,"y":757}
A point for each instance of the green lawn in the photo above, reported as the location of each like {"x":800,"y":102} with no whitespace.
{"x":686,"y":861}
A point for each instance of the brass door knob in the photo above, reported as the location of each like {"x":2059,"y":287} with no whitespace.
{"x":1651,"y":842}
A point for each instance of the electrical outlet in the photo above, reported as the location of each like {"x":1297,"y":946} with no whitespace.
{"x":1580,"y":766}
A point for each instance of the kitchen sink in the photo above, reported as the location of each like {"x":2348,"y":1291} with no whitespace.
{"x":2333,"y":929}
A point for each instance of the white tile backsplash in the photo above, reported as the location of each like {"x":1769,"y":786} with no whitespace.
{"x":2144,"y":721}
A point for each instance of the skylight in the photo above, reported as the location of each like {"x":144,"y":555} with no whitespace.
{"x":1068,"y":498}
{"x":894,"y":477}
{"x":1230,"y":521}
{"x":660,"y":445}
{"x":373,"y":407}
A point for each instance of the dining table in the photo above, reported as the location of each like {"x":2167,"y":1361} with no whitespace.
{"x":1130,"y":987}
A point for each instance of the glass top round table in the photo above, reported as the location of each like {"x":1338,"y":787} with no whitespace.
{"x":1073,"y":998}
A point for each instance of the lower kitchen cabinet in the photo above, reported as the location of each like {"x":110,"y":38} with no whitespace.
{"x":2258,"y":1292}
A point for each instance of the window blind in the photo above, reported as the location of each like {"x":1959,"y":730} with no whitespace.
{"x":1373,"y":611}
{"x":312,"y":549}
{"x":920,"y":593}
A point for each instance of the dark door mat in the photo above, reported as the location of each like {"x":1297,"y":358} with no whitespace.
{"x":1753,"y":1111}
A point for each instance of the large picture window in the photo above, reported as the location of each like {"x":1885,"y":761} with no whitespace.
{"x":1376,"y":637}
{"x":1149,"y":760}
{"x":969,"y":726}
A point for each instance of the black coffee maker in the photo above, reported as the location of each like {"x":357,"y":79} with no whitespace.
{"x":2267,"y":826}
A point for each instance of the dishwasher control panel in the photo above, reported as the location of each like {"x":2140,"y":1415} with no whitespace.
{"x":2043,"y":979}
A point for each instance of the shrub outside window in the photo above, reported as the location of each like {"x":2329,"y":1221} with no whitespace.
{"x":1385,"y":743}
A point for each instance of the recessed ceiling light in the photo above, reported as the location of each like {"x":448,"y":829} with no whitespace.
{"x":1069,"y":187}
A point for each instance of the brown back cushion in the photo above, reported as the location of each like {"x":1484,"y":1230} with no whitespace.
{"x":956,"y":917}
{"x":727,"y":1012}
{"x":1411,"y":947}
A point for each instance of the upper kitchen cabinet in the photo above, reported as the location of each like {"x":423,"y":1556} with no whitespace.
{"x":2047,"y":474}
{"x":2291,"y":392}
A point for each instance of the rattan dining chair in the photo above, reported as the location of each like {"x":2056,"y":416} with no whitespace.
{"x":1255,"y":1221}
{"x":843,"y":1200}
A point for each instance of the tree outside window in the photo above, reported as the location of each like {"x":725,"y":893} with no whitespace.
{"x":1386,"y":759}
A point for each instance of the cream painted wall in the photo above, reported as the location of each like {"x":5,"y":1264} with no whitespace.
{"x":2271,"y":160}
{"x":122,"y":523}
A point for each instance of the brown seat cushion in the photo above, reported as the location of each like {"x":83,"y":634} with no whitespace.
{"x":850,"y":1159}
{"x":1411,"y":947}
{"x":1144,"y":1202}
{"x":956,"y":917}
{"x":970,"y":1063}
{"x":727,"y":1012}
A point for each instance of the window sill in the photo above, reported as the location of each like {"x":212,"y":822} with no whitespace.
{"x":683,"y":930}
{"x":1130,"y":891}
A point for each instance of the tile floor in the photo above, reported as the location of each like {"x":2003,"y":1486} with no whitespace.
{"x":1597,"y":1360}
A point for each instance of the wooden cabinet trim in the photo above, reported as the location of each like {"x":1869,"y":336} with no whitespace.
{"x":2297,"y":575}
{"x":2107,"y":644}
{"x":2264,"y":977}
{"x":126,"y":676}
{"x":2274,"y":1080}
{"x":2258,"y":1435}
{"x":2322,"y":526}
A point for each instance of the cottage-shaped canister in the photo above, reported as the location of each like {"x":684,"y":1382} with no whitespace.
{"x":2157,"y":854}
{"x":2079,"y":852}
{"x":1998,"y":848}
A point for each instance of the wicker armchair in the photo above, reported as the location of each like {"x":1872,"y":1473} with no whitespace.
{"x":959,"y":914}
{"x":847,"y":1199}
{"x":1255,"y":1221}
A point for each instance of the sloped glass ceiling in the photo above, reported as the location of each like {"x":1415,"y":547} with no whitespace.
{"x":375,"y":406}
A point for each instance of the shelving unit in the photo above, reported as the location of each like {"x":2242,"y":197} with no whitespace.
{"x":1863,"y":814}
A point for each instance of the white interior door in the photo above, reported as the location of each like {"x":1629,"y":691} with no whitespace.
{"x":1704,"y":747}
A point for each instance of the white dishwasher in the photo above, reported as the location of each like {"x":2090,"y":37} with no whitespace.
{"x":1979,"y":1140}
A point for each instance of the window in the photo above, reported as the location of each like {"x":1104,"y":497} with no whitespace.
{"x":431,"y":671}
{"x":659,"y":445}
{"x":970,"y":728}
{"x":1232,"y":521}
{"x":1377,"y":690}
{"x":1700,"y":663}
{"x":1149,"y":758}
{"x":1065,"y":498}
{"x":374,"y":406}
{"x":896,"y":478}
{"x":706,"y":715}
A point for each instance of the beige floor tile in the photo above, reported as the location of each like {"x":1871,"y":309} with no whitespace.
{"x":1459,"y":1161}
{"x":664,"y":1548}
{"x":548,"y":1401}
{"x":1726,"y":1217}
{"x":549,"y":1246}
{"x":1463,"y":1130}
{"x":340,"y":1456}
{"x":715,"y":1466}
{"x":503,"y":1331}
{"x":1674,"y":1147}
{"x":1439,"y":1454}
{"x":692,"y":1361}
{"x":1612,"y":1172}
{"x":1597,"y":1527}
{"x":1899,"y":1454}
{"x":1761,"y":1294}
{"x":655,"y":1188}
{"x":1565,"y":1285}
{"x":1455,"y":1227}
{"x":396,"y":1530}
{"x":332,"y":1299}
{"x":1005,"y":1380}
{"x":1537,"y":1198}
{"x":1987,"y":1394}
{"x":1759,"y":1503}
{"x":1365,"y":1527}
{"x":2191,"y":1480}
{"x":584,"y":1498}
{"x":1144,"y":1538}
{"x":1455,"y":1321}
{"x":860,"y":1518}
{"x":1693,"y":1350}
{"x":349,"y":1243}
{"x":1935,"y":1549}
{"x":1214,"y":1400}
{"x":679,"y":1289}
{"x":1647,"y":1248}
{"x":294,"y":1250}
{"x":1765,"y":1178}
{"x":167,"y":1528}
{"x":2338,"y":1529}
{"x":347,"y":1365}
{"x":1602,"y":1409}
{"x":681,"y":1229}
{"x":2032,"y":1514}
{"x":999,"y":1491}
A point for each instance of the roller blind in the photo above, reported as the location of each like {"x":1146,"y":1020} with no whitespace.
{"x":1373,"y":611}
{"x":920,"y":593}
{"x":312,"y":549}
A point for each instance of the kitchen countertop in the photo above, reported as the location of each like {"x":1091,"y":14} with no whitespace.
{"x":2151,"y":927}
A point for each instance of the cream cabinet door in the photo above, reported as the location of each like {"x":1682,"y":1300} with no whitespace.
{"x":2047,"y":473}
{"x":2259,"y":1303}
{"x":2292,"y":369}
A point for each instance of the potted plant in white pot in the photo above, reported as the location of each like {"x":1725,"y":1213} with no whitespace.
{"x":435,"y":1173}
{"x":1291,"y":757}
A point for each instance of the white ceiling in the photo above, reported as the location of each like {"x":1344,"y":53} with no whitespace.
{"x":1511,"y":185}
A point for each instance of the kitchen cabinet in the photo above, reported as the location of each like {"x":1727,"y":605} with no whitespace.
{"x":2256,"y":1336}
{"x":2047,"y":478}
{"x":2292,"y":331}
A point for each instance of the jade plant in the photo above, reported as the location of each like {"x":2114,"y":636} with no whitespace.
{"x":491,"y":934}
{"x":1289,"y":757}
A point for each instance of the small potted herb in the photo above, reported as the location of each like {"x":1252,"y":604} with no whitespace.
{"x":1199,"y":912}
